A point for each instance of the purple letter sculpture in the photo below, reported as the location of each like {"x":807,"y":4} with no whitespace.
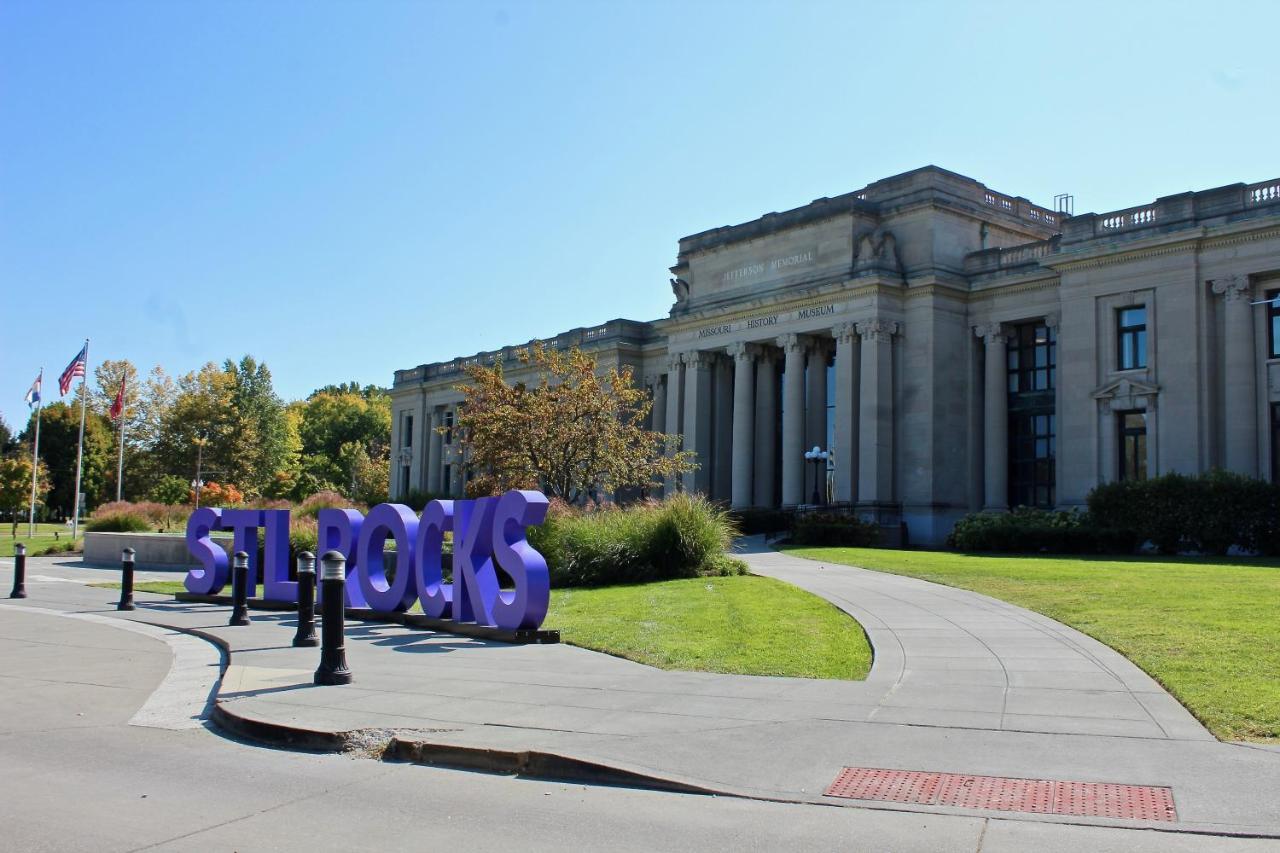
{"x":339,"y":530}
{"x":435,"y":595}
{"x":210,"y":579}
{"x":475,"y":583}
{"x":525,"y":606}
{"x":245,"y":524}
{"x":276,"y":585}
{"x":398,"y":521}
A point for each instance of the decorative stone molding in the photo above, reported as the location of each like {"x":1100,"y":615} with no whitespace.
{"x":674,"y":361}
{"x":1233,"y":288}
{"x":845,"y":332}
{"x":405,"y":456}
{"x":879,"y":331}
{"x":1127,"y":394}
{"x":877,"y":252}
{"x":991,"y":333}
{"x":1051,"y":320}
{"x":742,"y":351}
{"x":699,"y":359}
{"x":791,"y":343}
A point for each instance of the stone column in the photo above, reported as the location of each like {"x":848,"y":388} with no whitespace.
{"x":815,"y":412}
{"x":722,"y":439}
{"x":697,"y":419}
{"x":744,"y":423}
{"x":995,"y":419}
{"x":1239,"y":393}
{"x":658,"y":412}
{"x":418,"y":462}
{"x":875,"y":412}
{"x":675,"y":377}
{"x":434,"y":442}
{"x":848,"y":364}
{"x":792,"y":421}
{"x":766,"y":427}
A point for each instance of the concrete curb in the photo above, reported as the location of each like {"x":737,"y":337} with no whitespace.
{"x":530,"y":763}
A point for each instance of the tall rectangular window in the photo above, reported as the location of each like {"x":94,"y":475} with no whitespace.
{"x":404,"y":480}
{"x":1032,"y":374}
{"x":448,"y":427}
{"x":1273,"y":322}
{"x":1133,"y":445}
{"x":1131,"y":337}
{"x":408,"y":431}
{"x":1275,"y":442}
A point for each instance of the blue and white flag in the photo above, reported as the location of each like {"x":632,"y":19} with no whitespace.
{"x":33,"y":393}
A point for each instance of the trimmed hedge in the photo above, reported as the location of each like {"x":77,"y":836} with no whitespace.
{"x":762,"y":520}
{"x":1207,"y":513}
{"x":1026,"y":530}
{"x":824,"y":528}
{"x":680,"y":537}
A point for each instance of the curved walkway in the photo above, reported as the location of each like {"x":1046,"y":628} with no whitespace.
{"x":950,"y":657}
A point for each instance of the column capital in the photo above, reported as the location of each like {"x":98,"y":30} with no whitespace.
{"x":791,"y":343}
{"x":880,"y":331}
{"x":845,"y":333}
{"x":674,"y":360}
{"x":817,"y":345}
{"x":1232,"y":288}
{"x":742,"y":351}
{"x":992,"y":333}
{"x":695,"y":359}
{"x":1051,"y":320}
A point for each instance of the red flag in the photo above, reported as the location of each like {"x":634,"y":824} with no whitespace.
{"x":117,"y":408}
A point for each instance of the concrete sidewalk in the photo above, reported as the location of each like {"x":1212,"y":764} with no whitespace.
{"x":961,"y":684}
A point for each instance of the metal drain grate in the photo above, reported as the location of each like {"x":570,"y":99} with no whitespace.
{"x":1042,"y":796}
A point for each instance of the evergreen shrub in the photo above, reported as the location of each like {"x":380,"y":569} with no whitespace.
{"x":833,"y":529}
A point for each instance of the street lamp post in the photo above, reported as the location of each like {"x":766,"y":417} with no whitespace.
{"x":819,"y":459}
{"x":197,"y":483}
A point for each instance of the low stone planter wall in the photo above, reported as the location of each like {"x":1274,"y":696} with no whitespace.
{"x":152,"y":550}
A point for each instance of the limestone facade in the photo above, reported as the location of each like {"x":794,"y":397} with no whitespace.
{"x":952,"y":348}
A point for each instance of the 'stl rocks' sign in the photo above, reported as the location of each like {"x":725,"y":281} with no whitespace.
{"x":488,"y":538}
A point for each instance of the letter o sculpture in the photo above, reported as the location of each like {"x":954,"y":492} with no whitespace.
{"x":398,"y":522}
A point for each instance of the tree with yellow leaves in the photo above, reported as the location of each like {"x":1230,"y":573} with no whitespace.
{"x":576,"y":433}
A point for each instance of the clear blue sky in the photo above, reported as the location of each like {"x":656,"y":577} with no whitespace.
{"x":344,"y":189}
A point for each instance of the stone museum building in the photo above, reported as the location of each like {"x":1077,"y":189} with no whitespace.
{"x":951,"y":347}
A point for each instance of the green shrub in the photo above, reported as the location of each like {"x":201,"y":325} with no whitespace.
{"x":1207,"y":513}
{"x":1029,"y":531}
{"x":763,"y":520}
{"x":826,"y":528}
{"x":680,"y":537}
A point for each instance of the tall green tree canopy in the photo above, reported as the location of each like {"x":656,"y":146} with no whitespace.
{"x":59,"y":434}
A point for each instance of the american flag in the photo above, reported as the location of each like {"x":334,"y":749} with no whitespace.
{"x":74,"y":369}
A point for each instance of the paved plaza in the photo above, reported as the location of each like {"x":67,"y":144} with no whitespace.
{"x":961,"y":684}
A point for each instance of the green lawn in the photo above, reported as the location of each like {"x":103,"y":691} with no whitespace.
{"x":1207,"y":629}
{"x":746,"y":625}
{"x":43,"y":539}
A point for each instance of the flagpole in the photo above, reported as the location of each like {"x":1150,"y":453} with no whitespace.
{"x":84,"y":399}
{"x":35,"y":458}
{"x":120,"y":463}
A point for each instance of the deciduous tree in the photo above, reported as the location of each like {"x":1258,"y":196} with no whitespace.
{"x":577,"y":432}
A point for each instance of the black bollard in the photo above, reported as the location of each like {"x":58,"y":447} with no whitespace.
{"x":333,"y":651}
{"x":306,"y":635}
{"x":19,"y":571}
{"x":239,"y":589}
{"x":126,"y":580}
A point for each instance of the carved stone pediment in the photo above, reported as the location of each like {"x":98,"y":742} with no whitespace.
{"x":1127,"y":393}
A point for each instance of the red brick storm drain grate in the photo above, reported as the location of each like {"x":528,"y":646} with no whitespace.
{"x":1086,"y":799}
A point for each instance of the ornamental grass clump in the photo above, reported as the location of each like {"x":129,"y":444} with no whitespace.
{"x":680,"y":537}
{"x":118,"y":517}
